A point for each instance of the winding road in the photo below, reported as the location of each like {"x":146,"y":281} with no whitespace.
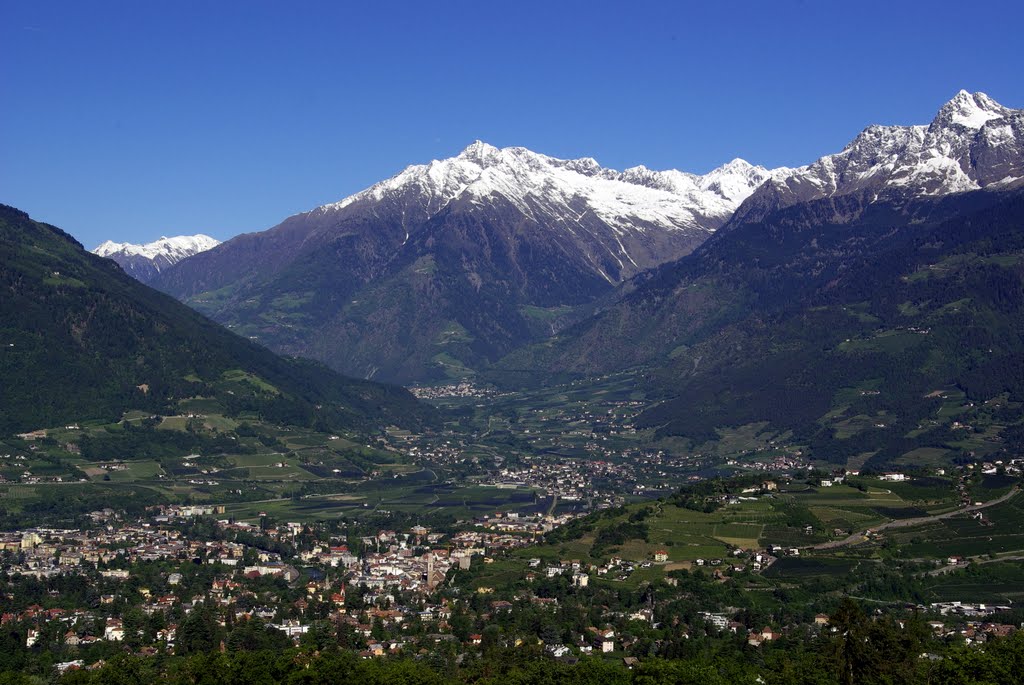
{"x":909,"y":523}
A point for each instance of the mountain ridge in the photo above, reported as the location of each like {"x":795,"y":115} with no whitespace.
{"x":973,"y":142}
{"x":474,"y":170}
{"x":449,"y":266}
{"x":145,"y":261}
{"x":810,"y":325}
{"x":492,"y":248}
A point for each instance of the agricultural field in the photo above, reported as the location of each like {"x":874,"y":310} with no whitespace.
{"x":989,"y":487}
{"x":866,"y":502}
{"x":802,"y":568}
{"x":799,"y":515}
{"x":411,"y":493}
{"x":997,"y":530}
{"x":197,"y":455}
{"x":748,"y":442}
{"x":684,"y":534}
{"x":991,"y":581}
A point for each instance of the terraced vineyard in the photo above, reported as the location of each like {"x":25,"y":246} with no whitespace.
{"x":188,"y":457}
{"x":799,"y":515}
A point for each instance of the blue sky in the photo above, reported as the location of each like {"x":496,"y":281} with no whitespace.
{"x":131,"y":120}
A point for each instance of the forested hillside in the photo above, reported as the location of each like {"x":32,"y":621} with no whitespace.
{"x":80,"y":339}
{"x":806,"y":321}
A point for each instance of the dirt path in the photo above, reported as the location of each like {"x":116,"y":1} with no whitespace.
{"x":554,"y":503}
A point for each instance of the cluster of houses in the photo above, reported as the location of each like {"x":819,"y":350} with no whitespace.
{"x":782,"y":463}
{"x":461,"y":389}
{"x":165,"y":513}
{"x":568,"y":479}
{"x":532,"y":525}
{"x":44,"y":552}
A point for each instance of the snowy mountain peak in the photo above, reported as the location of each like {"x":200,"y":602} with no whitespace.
{"x":973,"y":142}
{"x":540,"y":185}
{"x":737,"y":165}
{"x":970,"y":110}
{"x":146,"y":260}
{"x":175,"y":248}
{"x":478,"y":151}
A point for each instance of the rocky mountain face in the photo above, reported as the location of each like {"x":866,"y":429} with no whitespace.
{"x":890,"y":177}
{"x":973,"y":142}
{"x":144,"y":262}
{"x":450,"y":265}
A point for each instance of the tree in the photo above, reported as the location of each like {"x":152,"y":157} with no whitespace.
{"x":1002,"y":661}
{"x":198,"y":632}
{"x":319,"y":636}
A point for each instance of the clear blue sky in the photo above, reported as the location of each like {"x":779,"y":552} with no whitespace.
{"x":128,"y":120}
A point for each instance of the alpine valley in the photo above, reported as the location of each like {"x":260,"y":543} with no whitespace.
{"x":448,"y":266}
{"x":836,"y":303}
{"x":759,"y":426}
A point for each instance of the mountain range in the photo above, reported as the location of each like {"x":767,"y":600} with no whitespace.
{"x":144,"y":262}
{"x":448,"y":266}
{"x":973,"y":143}
{"x":844,"y":317}
{"x":865,"y":284}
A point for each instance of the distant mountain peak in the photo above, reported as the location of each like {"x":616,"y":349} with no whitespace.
{"x":144,"y":261}
{"x":163,"y":246}
{"x":736,"y":164}
{"x":503,"y":245}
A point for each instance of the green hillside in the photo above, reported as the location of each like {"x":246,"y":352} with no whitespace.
{"x":839,"y":539}
{"x":899,"y":332}
{"x":79,"y":339}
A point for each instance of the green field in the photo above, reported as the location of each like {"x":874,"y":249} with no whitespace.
{"x":994,"y":582}
{"x":799,"y":568}
{"x":199,"y":454}
{"x":1000,"y":532}
{"x":799,"y":515}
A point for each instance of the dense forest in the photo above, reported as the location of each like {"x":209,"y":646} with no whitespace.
{"x":893,"y":306}
{"x":80,"y":339}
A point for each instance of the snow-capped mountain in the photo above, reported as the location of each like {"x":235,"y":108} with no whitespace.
{"x":455,"y":262}
{"x":973,"y":142}
{"x":539,"y":185}
{"x":144,"y":262}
